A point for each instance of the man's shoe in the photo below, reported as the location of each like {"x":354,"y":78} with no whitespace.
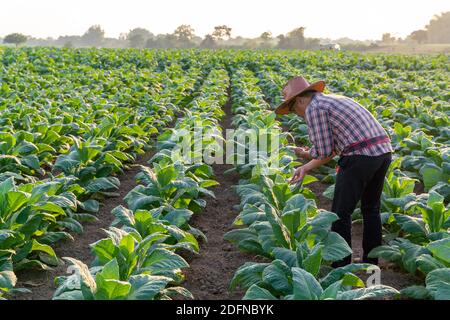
{"x":342,"y":263}
{"x":370,"y":260}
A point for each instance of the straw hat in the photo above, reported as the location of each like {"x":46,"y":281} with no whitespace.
{"x":295,"y":87}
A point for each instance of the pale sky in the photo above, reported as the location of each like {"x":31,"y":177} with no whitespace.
{"x":357,"y":19}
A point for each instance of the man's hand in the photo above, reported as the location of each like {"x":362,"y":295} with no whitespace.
{"x":302,"y":152}
{"x":299,"y":174}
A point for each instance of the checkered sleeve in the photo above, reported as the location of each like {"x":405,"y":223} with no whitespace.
{"x":320,"y":134}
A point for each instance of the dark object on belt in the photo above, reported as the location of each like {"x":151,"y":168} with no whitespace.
{"x":364,"y":144}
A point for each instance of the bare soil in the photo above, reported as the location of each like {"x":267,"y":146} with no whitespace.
{"x":40,"y":282}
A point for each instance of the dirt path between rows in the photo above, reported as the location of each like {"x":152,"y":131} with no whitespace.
{"x":41,"y":283}
{"x":210,"y":272}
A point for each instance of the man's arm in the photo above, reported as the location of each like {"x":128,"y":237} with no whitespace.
{"x":303,"y":152}
{"x":320,"y":134}
{"x":302,"y":171}
{"x":321,"y":137}
{"x":315,"y":163}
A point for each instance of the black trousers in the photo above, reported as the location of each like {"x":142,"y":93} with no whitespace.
{"x":360,"y":178}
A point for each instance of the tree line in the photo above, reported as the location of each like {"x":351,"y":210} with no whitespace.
{"x":183,"y":37}
{"x":437,"y":31}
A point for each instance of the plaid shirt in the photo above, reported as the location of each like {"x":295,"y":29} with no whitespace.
{"x":336,"y":122}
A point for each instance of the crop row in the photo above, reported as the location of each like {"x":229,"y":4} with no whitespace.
{"x":284,"y":225}
{"x":139,"y":260}
{"x":416,"y":226}
{"x":84,"y":140}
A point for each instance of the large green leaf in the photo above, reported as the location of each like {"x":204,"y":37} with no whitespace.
{"x":441,"y":250}
{"x":257,"y":293}
{"x":277,"y":275}
{"x":87,"y":282}
{"x":16,"y":199}
{"x":280,"y":231}
{"x":6,"y":186}
{"x":338,"y":273}
{"x":426,"y":263}
{"x":313,"y":261}
{"x":103,"y":183}
{"x":166,"y":175}
{"x":178,"y":217}
{"x":36,"y":246}
{"x":104,"y":250}
{"x":438,"y":283}
{"x":123,"y":216}
{"x":305,"y":286}
{"x":389,"y":253}
{"x":7,"y":279}
{"x":110,"y":270}
{"x":111,"y":289}
{"x":146,"y":287}
{"x":324,"y":219}
{"x":71,"y":224}
{"x":431,"y":175}
{"x":161,"y":260}
{"x":248,"y":274}
{"x":286,"y":255}
{"x":49,"y":207}
{"x":416,"y":292}
{"x":335,"y":247}
{"x":374,"y":292}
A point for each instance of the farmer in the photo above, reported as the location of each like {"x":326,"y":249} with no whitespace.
{"x":338,"y":125}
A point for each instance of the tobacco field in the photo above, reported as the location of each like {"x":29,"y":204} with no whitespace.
{"x":94,"y":207}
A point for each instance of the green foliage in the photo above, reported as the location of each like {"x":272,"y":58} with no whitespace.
{"x":72,"y":120}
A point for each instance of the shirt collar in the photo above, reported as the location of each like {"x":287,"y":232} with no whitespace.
{"x":314,"y":102}
{"x":315,"y":99}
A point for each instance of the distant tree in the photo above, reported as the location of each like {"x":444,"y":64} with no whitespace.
{"x":136,"y":40}
{"x":94,"y":36}
{"x":15,"y":38}
{"x":439,"y":28}
{"x":251,"y":44}
{"x":283,"y":41}
{"x":420,"y":36}
{"x":62,"y":40}
{"x":297,"y":38}
{"x":68,"y":44}
{"x":184,"y":32}
{"x":137,"y":37}
{"x":221,"y":32}
{"x":312,"y":43}
{"x":184,"y":35}
{"x":266,"y":40}
{"x":123,"y":36}
{"x":40,"y":42}
{"x":387,"y":38}
{"x":162,"y":41}
{"x":266,"y":36}
{"x":208,"y":42}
